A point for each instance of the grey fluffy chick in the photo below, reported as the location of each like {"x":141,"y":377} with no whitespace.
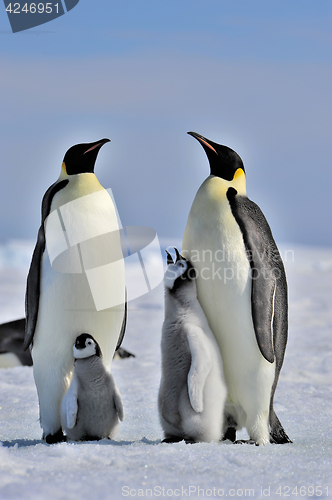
{"x":92,"y":406}
{"x":192,"y":390}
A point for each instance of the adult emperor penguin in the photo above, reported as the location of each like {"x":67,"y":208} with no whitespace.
{"x":92,"y":406}
{"x":59,"y":299}
{"x":242,"y":289}
{"x":192,"y":390}
{"x":12,"y":336}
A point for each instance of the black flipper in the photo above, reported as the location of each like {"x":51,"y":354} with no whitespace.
{"x":33,"y":281}
{"x":269,"y":291}
{"x":33,"y":289}
{"x":124,"y":324}
{"x":267,"y":272}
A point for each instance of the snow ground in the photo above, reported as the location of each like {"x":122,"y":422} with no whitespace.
{"x":136,"y":463}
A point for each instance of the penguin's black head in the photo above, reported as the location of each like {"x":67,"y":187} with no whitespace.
{"x":86,"y":346}
{"x":224,"y":162}
{"x":80,"y":159}
{"x":178,"y":273}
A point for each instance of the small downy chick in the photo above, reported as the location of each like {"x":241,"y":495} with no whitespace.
{"x":92,"y":406}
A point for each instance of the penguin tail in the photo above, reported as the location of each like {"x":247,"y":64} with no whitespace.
{"x":277,"y":432}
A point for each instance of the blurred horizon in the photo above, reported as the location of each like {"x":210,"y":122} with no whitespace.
{"x":253,"y":76}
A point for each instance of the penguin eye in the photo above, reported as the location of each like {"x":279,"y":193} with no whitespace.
{"x":89,"y":342}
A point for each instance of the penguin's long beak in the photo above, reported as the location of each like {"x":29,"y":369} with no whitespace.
{"x":204,"y":142}
{"x":169,"y":258}
{"x":97,"y":144}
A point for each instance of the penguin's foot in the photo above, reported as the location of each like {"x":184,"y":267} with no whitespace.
{"x":90,"y":438}
{"x":190,"y":441}
{"x":230,"y":434}
{"x":246,"y":441}
{"x":58,"y":437}
{"x":123,"y":354}
{"x":172,"y":439}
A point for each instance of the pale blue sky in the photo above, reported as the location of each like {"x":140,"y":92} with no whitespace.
{"x":254,"y":75}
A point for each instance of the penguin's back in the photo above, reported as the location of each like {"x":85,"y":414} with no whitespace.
{"x":186,"y":342}
{"x":175,"y":360}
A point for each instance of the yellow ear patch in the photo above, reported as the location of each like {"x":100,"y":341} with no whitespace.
{"x":238,"y":173}
{"x":239,"y":181}
{"x":63,"y":172}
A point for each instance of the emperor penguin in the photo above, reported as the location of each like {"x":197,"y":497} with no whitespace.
{"x":192,"y":390}
{"x":59,"y":299}
{"x":92,"y":407}
{"x":12,"y":336}
{"x":242,"y":288}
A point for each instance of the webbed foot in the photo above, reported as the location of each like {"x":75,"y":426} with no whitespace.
{"x":58,"y":437}
{"x":230,"y":434}
{"x":246,"y":441}
{"x":190,"y":441}
{"x":172,"y":439}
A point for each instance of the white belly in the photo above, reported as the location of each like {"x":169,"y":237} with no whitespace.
{"x":67,"y":309}
{"x":69,"y":304}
